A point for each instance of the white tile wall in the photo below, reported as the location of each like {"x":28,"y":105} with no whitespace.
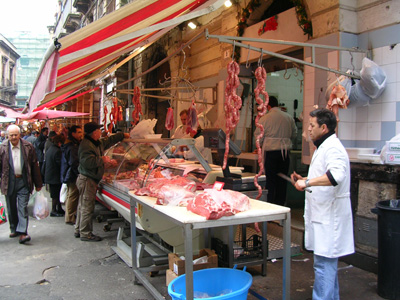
{"x":389,"y":111}
{"x":377,"y":55}
{"x":388,"y":55}
{"x":346,"y":130}
{"x":375,"y":113}
{"x":391,"y":72}
{"x":346,"y":115}
{"x":361,"y":131}
{"x":374,"y":131}
{"x":389,"y":94}
{"x":383,"y":109}
{"x":361,"y":114}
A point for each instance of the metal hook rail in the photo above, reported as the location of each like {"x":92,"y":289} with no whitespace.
{"x":238,"y":40}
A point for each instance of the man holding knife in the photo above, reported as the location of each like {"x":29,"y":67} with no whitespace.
{"x":327,"y":213}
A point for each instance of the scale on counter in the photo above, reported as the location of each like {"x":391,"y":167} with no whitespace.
{"x":214,"y":138}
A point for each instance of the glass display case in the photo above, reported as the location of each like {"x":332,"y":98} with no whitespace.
{"x":131,"y":163}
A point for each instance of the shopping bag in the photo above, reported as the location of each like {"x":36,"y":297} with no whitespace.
{"x":63,"y":192}
{"x":3,"y":217}
{"x":41,"y":206}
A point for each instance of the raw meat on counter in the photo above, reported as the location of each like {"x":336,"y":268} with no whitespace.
{"x":174,"y":195}
{"x":154,"y":186}
{"x":214,"y":204}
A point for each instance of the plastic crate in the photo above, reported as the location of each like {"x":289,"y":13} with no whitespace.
{"x":247,"y":250}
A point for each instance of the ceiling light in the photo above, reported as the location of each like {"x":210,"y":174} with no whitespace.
{"x":228,"y":3}
{"x":192,"y":25}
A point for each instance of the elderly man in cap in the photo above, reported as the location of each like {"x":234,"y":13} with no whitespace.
{"x":91,"y":170}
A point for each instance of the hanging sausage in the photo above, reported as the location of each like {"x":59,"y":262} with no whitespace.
{"x":232,"y":104}
{"x":137,"y":111}
{"x":261,"y":75}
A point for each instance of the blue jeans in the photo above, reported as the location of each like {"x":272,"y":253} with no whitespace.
{"x":326,"y":285}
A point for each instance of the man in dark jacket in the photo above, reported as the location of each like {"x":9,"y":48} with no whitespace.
{"x":52,"y":174}
{"x":91,"y":170}
{"x":19,"y":172}
{"x":39,"y":147}
{"x":69,"y":171}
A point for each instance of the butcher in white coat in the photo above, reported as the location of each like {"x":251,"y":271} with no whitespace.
{"x":327,"y":213}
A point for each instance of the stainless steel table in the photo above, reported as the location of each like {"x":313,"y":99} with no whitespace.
{"x":259,"y":212}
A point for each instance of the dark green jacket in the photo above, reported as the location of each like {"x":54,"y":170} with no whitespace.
{"x":90,"y":155}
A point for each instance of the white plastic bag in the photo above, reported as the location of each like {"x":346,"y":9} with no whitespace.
{"x":143,"y":128}
{"x":373,"y":79}
{"x":63,"y":192}
{"x":41,"y":207}
{"x":357,"y":96}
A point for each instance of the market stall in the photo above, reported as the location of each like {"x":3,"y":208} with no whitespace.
{"x":134,"y":165}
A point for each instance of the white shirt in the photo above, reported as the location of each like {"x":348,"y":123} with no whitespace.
{"x":16,"y":156}
{"x":180,"y":132}
{"x":205,"y":152}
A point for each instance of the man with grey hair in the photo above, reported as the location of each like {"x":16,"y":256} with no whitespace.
{"x":20,"y":172}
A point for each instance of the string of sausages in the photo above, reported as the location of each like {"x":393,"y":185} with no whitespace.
{"x":232,"y":104}
{"x":261,"y":76}
{"x":137,"y":111}
{"x":114,"y":116}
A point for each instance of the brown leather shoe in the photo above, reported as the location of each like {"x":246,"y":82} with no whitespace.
{"x":24,"y":238}
{"x":14,"y":234}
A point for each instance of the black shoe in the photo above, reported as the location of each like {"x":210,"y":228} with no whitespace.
{"x":56,"y":214}
{"x":77,"y":234}
{"x":91,"y":238}
{"x":24,"y":238}
{"x":13,"y":234}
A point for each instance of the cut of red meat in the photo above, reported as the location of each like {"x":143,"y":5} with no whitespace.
{"x":214,"y":204}
{"x":192,"y":122}
{"x":169,"y":120}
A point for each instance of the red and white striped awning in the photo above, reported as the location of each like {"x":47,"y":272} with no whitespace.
{"x":86,"y":53}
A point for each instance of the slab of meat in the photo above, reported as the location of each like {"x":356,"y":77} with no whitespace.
{"x":169,"y":120}
{"x":261,"y":75}
{"x":214,"y":204}
{"x":174,"y":195}
{"x":192,"y":122}
{"x":337,"y":99}
{"x":232,"y":104}
{"x":154,"y":186}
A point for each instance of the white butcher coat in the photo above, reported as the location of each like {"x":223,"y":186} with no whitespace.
{"x":327,"y":214}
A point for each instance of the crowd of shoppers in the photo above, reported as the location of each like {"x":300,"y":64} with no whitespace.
{"x":49,"y":158}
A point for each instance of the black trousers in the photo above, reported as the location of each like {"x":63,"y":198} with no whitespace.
{"x":274,"y":163}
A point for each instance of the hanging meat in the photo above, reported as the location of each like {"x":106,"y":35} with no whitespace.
{"x":105,"y":118}
{"x":169,"y":120}
{"x":192,"y":122}
{"x":137,"y":111}
{"x":337,"y":99}
{"x":120,"y":114}
{"x":261,"y":76}
{"x":232,"y":104}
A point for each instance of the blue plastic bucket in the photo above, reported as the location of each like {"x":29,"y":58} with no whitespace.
{"x":215,"y":283}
